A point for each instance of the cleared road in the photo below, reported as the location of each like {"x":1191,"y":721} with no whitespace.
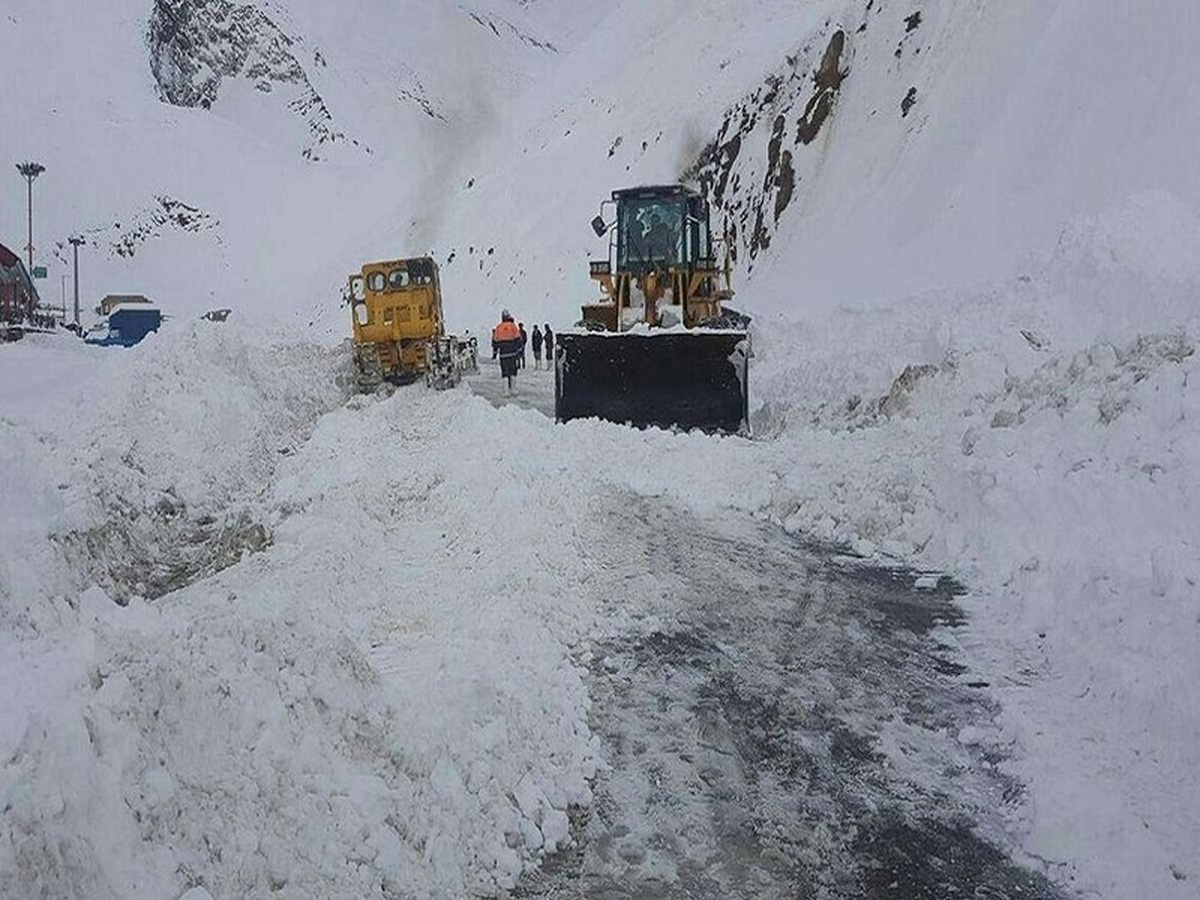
{"x":534,"y":387}
{"x":777,"y":720}
{"x":780,"y":721}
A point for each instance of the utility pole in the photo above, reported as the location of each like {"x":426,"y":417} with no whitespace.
{"x":30,"y":171}
{"x":63,"y":284}
{"x":75,"y":242}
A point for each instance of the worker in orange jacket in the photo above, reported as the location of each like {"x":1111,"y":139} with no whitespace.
{"x":509,"y":344}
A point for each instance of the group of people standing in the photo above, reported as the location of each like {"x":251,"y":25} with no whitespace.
{"x":509,"y":340}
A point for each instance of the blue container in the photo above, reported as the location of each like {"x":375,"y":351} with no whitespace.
{"x":126,"y":326}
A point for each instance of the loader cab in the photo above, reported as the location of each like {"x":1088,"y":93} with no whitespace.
{"x":661,"y":268}
{"x":659,"y":228}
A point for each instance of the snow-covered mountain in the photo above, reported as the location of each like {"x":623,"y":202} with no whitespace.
{"x":292,"y":131}
{"x":968,"y":232}
{"x":313,"y":138}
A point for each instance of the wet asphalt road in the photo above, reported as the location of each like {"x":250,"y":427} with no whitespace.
{"x":534,"y":387}
{"x":778,"y":720}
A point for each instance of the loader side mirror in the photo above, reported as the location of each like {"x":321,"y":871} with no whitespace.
{"x":599,"y":226}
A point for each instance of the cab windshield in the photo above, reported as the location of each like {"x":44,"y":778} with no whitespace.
{"x":650,"y":233}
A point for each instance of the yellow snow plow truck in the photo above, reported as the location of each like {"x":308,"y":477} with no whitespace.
{"x":658,"y":347}
{"x":399,"y":330}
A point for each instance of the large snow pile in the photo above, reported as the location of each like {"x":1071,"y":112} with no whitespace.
{"x":375,"y":697}
{"x":377,"y":694}
{"x":1038,"y":435}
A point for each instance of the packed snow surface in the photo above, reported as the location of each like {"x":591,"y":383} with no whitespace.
{"x":260,"y":635}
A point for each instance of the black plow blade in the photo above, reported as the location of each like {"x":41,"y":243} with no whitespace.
{"x":664,"y":379}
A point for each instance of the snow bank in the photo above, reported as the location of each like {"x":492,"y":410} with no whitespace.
{"x":1038,"y":437}
{"x":114,"y":478}
{"x":375,"y":697}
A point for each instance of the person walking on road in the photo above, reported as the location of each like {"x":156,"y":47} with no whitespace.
{"x":548,"y":340}
{"x":524,"y":341}
{"x":508,"y":343}
{"x":536,"y":340}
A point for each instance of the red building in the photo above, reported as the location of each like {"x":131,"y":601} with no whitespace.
{"x":18,"y":296}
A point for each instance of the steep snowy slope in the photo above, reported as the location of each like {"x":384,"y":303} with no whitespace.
{"x":876,"y":148}
{"x":1024,"y":117}
{"x":949,"y":141}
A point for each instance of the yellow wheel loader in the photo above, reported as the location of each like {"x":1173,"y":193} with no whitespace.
{"x":658,"y":347}
{"x":399,"y":331}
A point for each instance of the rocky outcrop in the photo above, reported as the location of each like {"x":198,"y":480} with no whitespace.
{"x":197,"y":44}
{"x":125,"y":237}
{"x":749,"y":172}
{"x":501,"y":27}
{"x":770,"y":144}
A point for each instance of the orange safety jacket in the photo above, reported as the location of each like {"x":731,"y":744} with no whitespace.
{"x":506,"y":331}
{"x":506,"y":337}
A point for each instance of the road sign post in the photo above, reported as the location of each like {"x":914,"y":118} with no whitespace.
{"x":75,"y":242}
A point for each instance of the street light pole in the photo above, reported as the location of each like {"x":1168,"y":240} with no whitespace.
{"x":30,"y":171}
{"x":75,"y":242}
